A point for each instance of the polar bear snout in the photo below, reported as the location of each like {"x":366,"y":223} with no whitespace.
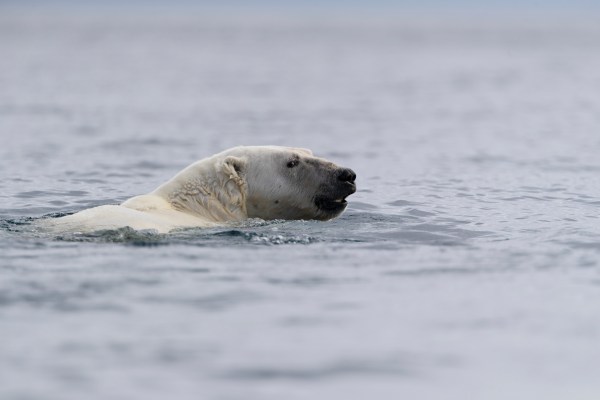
{"x":346,"y":175}
{"x":345,"y":185}
{"x":331,"y":200}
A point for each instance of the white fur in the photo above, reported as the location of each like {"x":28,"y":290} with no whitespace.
{"x":233,"y":185}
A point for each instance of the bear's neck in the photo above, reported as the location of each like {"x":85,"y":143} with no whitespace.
{"x":204,"y":191}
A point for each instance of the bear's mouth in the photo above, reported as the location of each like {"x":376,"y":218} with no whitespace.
{"x":331,"y":200}
{"x":335,"y":203}
{"x":329,"y":204}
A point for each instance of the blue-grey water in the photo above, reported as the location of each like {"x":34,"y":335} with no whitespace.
{"x":466,"y":265}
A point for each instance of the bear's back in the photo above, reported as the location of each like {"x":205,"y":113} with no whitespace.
{"x":145,"y":212}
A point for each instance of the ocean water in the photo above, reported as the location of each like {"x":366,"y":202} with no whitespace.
{"x":466,"y":265}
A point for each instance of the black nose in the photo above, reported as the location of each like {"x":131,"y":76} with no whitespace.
{"x":347,"y":175}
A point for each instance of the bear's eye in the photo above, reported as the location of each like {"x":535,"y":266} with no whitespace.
{"x":293,"y":163}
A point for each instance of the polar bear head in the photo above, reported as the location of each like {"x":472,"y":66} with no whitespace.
{"x":290,"y":183}
{"x":267,"y":182}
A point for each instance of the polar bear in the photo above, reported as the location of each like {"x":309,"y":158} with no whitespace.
{"x":267,"y":182}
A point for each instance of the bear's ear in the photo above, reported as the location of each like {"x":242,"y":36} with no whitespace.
{"x":234,"y":168}
{"x":305,"y":151}
{"x":234,"y":165}
{"x":233,"y":189}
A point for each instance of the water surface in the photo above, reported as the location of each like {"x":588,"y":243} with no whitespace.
{"x":465,"y":265}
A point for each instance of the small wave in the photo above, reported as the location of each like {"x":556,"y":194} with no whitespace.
{"x":122,"y":235}
{"x":45,"y":194}
{"x":269,"y":239}
{"x":398,"y":365}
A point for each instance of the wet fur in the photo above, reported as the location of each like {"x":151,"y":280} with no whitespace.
{"x":240,"y":183}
